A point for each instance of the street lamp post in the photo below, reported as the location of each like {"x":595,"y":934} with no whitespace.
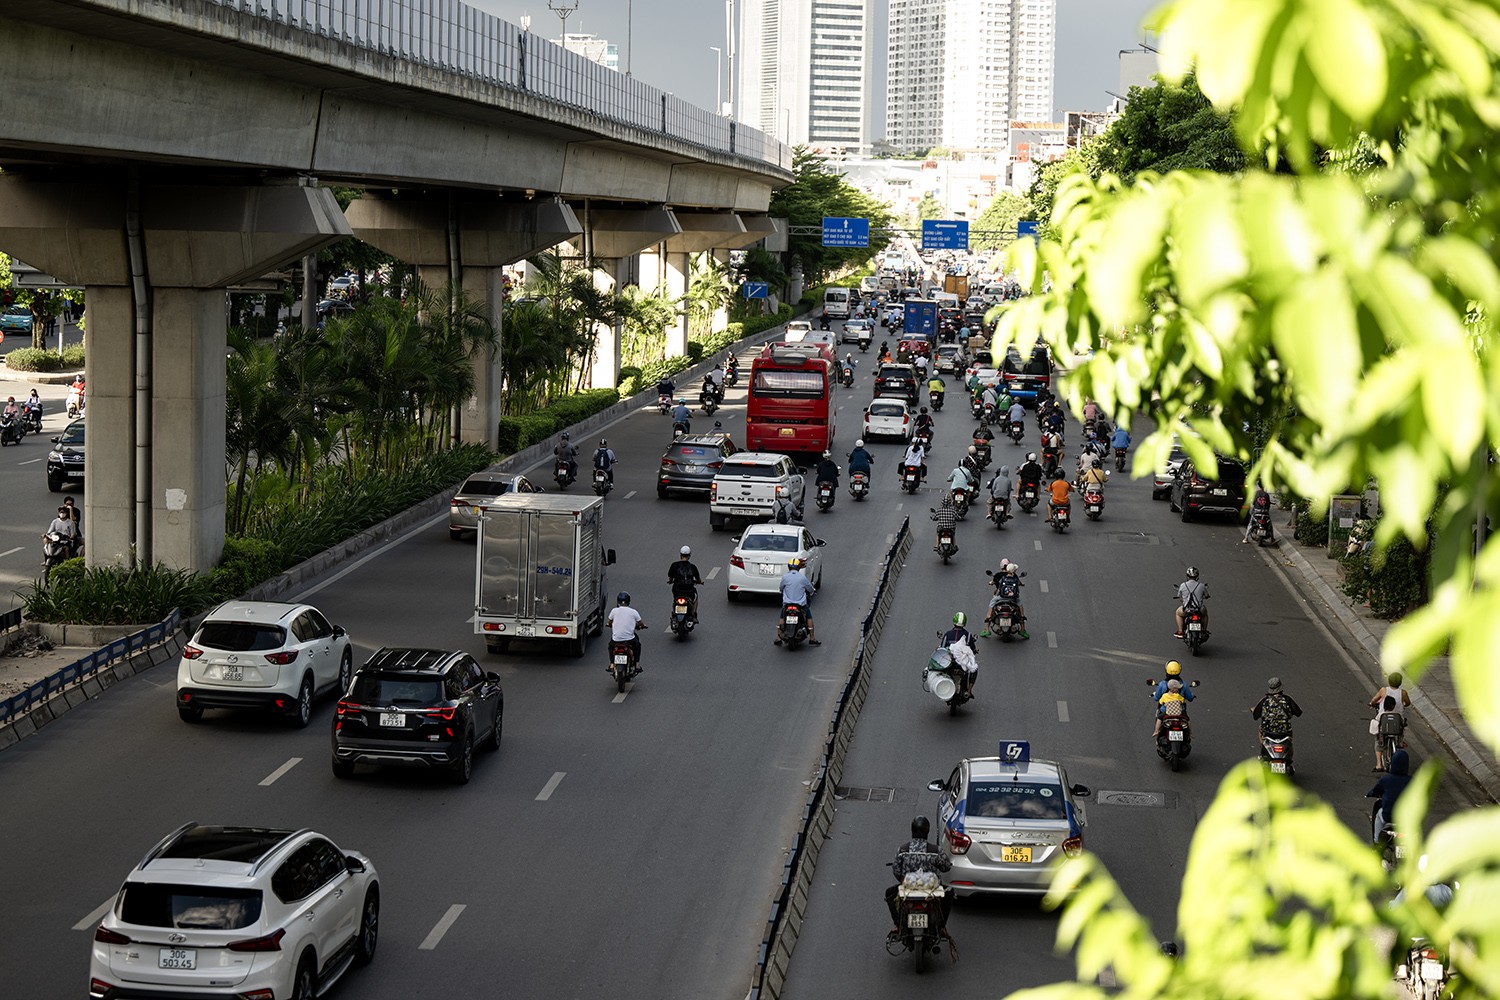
{"x":629,"y":23}
{"x":563,"y":9}
{"x":718,"y":80}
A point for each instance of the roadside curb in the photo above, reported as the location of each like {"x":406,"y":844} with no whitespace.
{"x":1453,"y":739}
{"x":8,"y":374}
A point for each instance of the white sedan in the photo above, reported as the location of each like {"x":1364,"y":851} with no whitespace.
{"x":761,"y":555}
{"x":888,"y":416}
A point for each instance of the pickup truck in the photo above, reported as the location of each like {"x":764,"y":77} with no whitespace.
{"x":748,"y":484}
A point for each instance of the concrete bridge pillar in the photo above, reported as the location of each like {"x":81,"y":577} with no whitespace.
{"x":617,"y":236}
{"x":677,"y":268}
{"x":155,"y":259}
{"x":604,"y":372}
{"x":490,"y":234}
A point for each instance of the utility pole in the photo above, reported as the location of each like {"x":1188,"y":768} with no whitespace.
{"x":563,"y":9}
{"x":729,"y":44}
{"x":718,"y":79}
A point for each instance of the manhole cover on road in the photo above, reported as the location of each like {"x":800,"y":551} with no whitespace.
{"x":1134,"y":538}
{"x":1151,"y":799}
{"x":855,"y":793}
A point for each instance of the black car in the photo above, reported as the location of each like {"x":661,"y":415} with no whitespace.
{"x":691,"y":462}
{"x":897,"y":380}
{"x":1194,"y":494}
{"x":65,"y":460}
{"x":418,"y":708}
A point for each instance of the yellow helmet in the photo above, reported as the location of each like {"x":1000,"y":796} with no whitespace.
{"x":1174,"y":669}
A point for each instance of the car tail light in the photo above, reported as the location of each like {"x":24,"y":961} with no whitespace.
{"x":271,"y":942}
{"x":1073,"y":846}
{"x":958,"y":841}
{"x":713,"y":492}
{"x":737,"y":561}
{"x":258,"y":995}
{"x":104,"y":935}
{"x":283,"y":658}
{"x":446,"y":714}
{"x":349,"y":708}
{"x":455,"y":502}
{"x":99,"y":988}
{"x":191,"y":652}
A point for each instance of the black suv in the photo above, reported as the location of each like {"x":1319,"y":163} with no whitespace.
{"x":1192,"y":494}
{"x":691,"y":462}
{"x":418,"y":708}
{"x":65,"y":460}
{"x":897,"y":380}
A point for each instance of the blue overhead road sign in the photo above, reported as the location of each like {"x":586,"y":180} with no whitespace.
{"x":756,"y":290}
{"x":843,"y":232}
{"x":1025,"y":228}
{"x":945,"y":234}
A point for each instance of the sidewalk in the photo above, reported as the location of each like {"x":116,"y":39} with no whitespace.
{"x":1435,"y":699}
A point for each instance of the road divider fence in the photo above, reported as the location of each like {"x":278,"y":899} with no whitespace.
{"x":789,"y":908}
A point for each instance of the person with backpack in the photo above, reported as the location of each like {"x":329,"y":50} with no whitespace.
{"x":1260,"y":509}
{"x":1390,"y":700}
{"x":1275,"y":711}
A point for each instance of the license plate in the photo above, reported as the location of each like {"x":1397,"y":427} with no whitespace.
{"x":1278,"y":767}
{"x":1220,"y":493}
{"x":1004,"y":622}
{"x":792,"y":619}
{"x":749,"y":511}
{"x":622,"y":659}
{"x":1400,"y":851}
{"x":392,"y":720}
{"x":75,"y":475}
{"x":1195,"y":627}
{"x":1093,"y":508}
{"x":916,"y":921}
{"x":767,"y":570}
{"x":526,"y":630}
{"x":786,"y":432}
{"x":1015,"y":855}
{"x":1432,"y":972}
{"x":177,"y":958}
{"x":231,"y":673}
{"x":1174,"y":735}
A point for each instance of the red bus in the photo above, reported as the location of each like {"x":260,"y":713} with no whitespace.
{"x":790,"y":407}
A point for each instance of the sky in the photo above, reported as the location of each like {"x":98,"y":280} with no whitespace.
{"x":672,"y":38}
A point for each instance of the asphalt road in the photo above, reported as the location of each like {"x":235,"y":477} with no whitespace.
{"x":23,"y":483}
{"x":630,"y":846}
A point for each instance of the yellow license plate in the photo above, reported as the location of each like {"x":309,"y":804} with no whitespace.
{"x":787,"y":432}
{"x":1015,"y":855}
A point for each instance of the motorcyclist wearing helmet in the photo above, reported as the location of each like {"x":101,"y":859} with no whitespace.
{"x":827,"y":471}
{"x":917,"y":855}
{"x":960,"y":480}
{"x":860,"y":460}
{"x":1275,"y":711}
{"x":1007,"y":583}
{"x":970,"y":462}
{"x":990,"y":398}
{"x":1172,"y":703}
{"x":1192,"y":595}
{"x":685,"y":581}
{"x":1015,"y":413}
{"x":983,"y":433}
{"x":604,"y":458}
{"x":624,"y":623}
{"x":960,"y":633}
{"x":936,"y":386}
{"x":1030,"y":473}
{"x":923,"y":423}
{"x":797,"y":589}
{"x":915,"y":457}
{"x":681,"y":417}
{"x":1057,"y":493}
{"x":1174,"y":669}
{"x":565,"y":452}
{"x":13,"y":412}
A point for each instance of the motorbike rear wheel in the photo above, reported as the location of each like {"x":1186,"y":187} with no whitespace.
{"x":622,"y":675}
{"x":919,"y":951}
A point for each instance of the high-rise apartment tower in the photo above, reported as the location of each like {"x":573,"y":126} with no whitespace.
{"x":804,"y":70}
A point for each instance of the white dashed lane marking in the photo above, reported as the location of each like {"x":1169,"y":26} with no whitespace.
{"x":11,"y":552}
{"x":615,"y":701}
{"x":435,"y":936}
{"x":270,"y":779}
{"x":1038,"y":544}
{"x":1062,"y":711}
{"x":629,"y":495}
{"x":712,"y":573}
{"x":1043,"y":585}
{"x":551,"y":786}
{"x":1051,"y":640}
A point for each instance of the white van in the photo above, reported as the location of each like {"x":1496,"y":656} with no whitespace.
{"x":994,"y":292}
{"x":869,"y":285}
{"x":836,"y":302}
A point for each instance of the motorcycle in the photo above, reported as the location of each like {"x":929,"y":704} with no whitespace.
{"x":564,"y":473}
{"x":1175,"y":741}
{"x":825,"y":496}
{"x":982,"y":452}
{"x":1425,"y":973}
{"x":1276,"y":753}
{"x":1058,"y":518}
{"x":944,"y":678}
{"x":999,"y":511}
{"x":919,"y":917}
{"x":1194,"y":630}
{"x":664,"y":404}
{"x":863,"y":339}
{"x":911,"y":478}
{"x":1390,"y":841}
{"x":848,"y":376}
{"x":793,"y":626}
{"x":11,"y":431}
{"x":823,"y":323}
{"x":1260,"y":527}
{"x":76,"y":401}
{"x":682,"y":617}
{"x":1119,"y":459}
{"x":859,"y":485}
{"x":1004,"y":619}
{"x":708,"y":398}
{"x":1051,"y":458}
{"x":935,"y":400}
{"x":731,"y":375}
{"x":924,"y":439}
{"x":602,"y":485}
{"x":976,"y":406}
{"x":31,"y":419}
{"x":1093,"y":501}
{"x":1017,"y":431}
{"x":54,"y":551}
{"x":947,"y":546}
{"x":988,"y":413}
{"x":961,"y":502}
{"x":1028,"y":496}
{"x":622,"y":664}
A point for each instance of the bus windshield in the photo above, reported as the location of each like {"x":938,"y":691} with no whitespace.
{"x":788,"y":383}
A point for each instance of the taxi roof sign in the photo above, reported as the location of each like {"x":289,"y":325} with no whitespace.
{"x":1015,"y":751}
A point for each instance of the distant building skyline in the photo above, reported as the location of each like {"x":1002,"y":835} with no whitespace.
{"x":804,"y":72}
{"x":593,"y":48}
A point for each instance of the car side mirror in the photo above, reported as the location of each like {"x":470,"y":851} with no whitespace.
{"x":1082,"y":791}
{"x":492,"y":677}
{"x":1151,"y":682}
{"x":353,"y":865}
{"x":609,"y":557}
{"x":736,"y":539}
{"x":937,"y":785}
{"x":1193,"y":683}
{"x":801,"y":471}
{"x":819,"y":542}
{"x":339,"y":631}
{"x":55,"y":440}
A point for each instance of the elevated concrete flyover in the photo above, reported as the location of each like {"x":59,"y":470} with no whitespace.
{"x":156,"y":151}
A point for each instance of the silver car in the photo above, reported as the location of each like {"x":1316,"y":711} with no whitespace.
{"x":1007,"y":826}
{"x":478,"y":490}
{"x":1163,"y":478}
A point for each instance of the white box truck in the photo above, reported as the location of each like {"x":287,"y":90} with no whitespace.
{"x":539,"y":570}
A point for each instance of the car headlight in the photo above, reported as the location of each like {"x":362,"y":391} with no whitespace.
{"x":54,"y":456}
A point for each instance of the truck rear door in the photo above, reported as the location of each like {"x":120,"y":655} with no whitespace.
{"x":553,"y":543}
{"x":501,"y":582}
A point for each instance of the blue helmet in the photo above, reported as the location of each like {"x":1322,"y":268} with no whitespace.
{"x":623,"y":598}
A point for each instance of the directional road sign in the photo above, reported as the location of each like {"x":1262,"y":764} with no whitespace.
{"x":945,"y":234}
{"x":1025,"y":228}
{"x":756,"y":290}
{"x":844,"y":232}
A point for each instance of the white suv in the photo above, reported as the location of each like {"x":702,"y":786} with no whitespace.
{"x":224,"y":911}
{"x":263,"y":655}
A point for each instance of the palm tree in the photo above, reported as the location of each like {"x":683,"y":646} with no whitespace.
{"x":254,"y":428}
{"x":708,"y":291}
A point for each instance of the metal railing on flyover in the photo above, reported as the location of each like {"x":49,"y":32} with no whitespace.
{"x":82,"y":669}
{"x":462,"y":40}
{"x":790,"y":903}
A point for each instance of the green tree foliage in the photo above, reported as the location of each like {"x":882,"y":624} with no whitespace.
{"x":997,"y":224}
{"x":1082,"y":159}
{"x":1349,"y":312}
{"x":708,"y":291}
{"x":928,"y":207}
{"x":1170,"y":126}
{"x":815,"y":193}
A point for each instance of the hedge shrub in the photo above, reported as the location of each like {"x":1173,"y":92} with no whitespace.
{"x":523,"y":431}
{"x":1393,"y":582}
{"x":34,"y":359}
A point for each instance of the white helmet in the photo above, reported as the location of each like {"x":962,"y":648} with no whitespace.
{"x":973,"y":450}
{"x":685,"y":550}
{"x":827,"y":454}
{"x":860,"y":443}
